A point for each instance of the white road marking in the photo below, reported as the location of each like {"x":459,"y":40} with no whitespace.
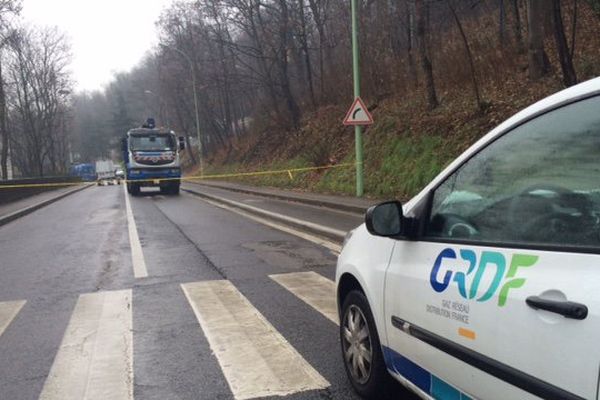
{"x":256,"y":360}
{"x":8,"y":311}
{"x":312,"y":288}
{"x":279,"y":217}
{"x":95,"y":358}
{"x":334,"y":247}
{"x":137,"y":256}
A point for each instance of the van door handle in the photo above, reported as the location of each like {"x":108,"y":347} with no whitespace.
{"x":568,"y":309}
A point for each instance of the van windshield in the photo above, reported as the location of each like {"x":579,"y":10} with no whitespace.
{"x":152,"y":143}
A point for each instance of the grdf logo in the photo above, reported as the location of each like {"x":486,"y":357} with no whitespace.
{"x":475,"y":273}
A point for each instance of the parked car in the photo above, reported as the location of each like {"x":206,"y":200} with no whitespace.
{"x":487,"y":283}
{"x":119,"y":175}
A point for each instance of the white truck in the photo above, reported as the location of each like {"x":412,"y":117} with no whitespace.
{"x":105,"y":169}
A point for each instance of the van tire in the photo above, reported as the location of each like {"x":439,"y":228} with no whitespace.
{"x":376,"y":385}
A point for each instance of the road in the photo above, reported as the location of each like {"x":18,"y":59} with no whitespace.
{"x":181,"y":299}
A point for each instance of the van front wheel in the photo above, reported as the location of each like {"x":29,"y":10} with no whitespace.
{"x":361,"y":350}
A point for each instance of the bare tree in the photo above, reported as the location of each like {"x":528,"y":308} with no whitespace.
{"x":410,"y":41}
{"x":469,"y":56}
{"x":320,"y":11}
{"x":8,"y":8}
{"x":40,"y":82}
{"x":432,"y":99}
{"x":517,"y":26}
{"x":501,"y":22}
{"x":535,"y":39}
{"x":565,"y":56}
{"x":303,"y":38}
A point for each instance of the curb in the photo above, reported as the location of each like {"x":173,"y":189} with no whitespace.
{"x":28,"y":210}
{"x":286,"y":197}
{"x":326,"y":232}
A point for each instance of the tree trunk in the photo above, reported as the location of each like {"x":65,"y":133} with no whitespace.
{"x":564,"y":55}
{"x":410,"y":43}
{"x":3,"y":128}
{"x":501,"y":23}
{"x":432,"y":99}
{"x":304,"y":44}
{"x":573,"y":29}
{"x":282,"y":61}
{"x":518,"y":29}
{"x":535,"y":39}
{"x":469,"y":56}
{"x":320,"y":25}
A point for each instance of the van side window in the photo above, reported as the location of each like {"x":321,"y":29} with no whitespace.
{"x":538,"y":184}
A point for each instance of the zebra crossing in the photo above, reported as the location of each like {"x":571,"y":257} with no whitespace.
{"x":8,"y":311}
{"x":95,"y":357}
{"x":256,"y":360}
{"x":312,"y":288}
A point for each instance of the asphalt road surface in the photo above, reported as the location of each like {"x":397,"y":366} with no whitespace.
{"x":166,"y":297}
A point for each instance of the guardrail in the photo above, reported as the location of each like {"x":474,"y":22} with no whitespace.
{"x":16,"y":189}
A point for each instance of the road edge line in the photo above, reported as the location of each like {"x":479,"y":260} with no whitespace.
{"x":321,"y":241}
{"x":329,"y":233}
{"x":28,"y":210}
{"x":313,"y":202}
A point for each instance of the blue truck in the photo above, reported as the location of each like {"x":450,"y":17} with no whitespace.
{"x":152,"y":159}
{"x":86,"y":171}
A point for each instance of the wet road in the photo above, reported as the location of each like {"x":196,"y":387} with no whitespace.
{"x":208,"y":307}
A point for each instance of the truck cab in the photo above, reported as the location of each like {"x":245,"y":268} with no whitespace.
{"x":152,"y":159}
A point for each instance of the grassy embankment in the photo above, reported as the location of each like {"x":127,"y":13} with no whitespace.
{"x":404,"y":149}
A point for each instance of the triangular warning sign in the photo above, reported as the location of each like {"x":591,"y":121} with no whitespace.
{"x":358,"y":114}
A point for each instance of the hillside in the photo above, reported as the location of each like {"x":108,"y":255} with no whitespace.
{"x":405,"y":148}
{"x":409,"y":143}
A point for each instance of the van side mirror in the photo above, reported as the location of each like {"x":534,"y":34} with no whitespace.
{"x":385,"y":219}
{"x":181,"y":143}
{"x":124,"y":144}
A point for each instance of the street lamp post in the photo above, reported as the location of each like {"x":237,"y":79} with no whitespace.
{"x":193,"y":73}
{"x":356,"y":73}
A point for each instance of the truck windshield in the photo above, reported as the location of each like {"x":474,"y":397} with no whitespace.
{"x":152,"y":143}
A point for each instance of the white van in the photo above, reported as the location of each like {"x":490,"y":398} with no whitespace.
{"x":486,"y":285}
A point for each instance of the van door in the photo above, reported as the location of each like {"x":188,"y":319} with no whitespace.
{"x":500,"y":296}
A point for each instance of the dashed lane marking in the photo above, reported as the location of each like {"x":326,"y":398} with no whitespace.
{"x":8,"y":311}
{"x":137,"y":255}
{"x":312,"y":288}
{"x":256,"y":360}
{"x":95,"y":358}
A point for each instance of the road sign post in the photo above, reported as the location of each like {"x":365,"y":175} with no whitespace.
{"x":357,"y":128}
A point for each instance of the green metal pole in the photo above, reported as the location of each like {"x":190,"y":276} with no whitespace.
{"x":357,"y":128}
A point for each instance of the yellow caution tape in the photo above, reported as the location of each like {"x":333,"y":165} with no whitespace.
{"x":33,"y":185}
{"x":272,"y":172}
{"x":288,"y":171}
